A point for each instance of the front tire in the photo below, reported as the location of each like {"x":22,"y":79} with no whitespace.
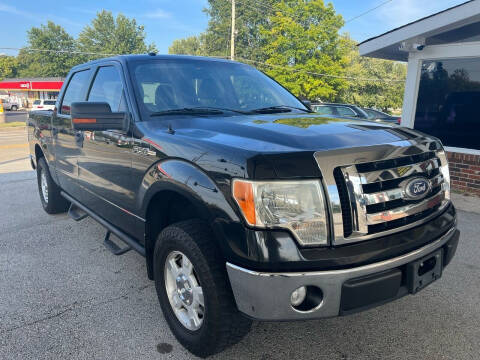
{"x":14,"y":108}
{"x":52,"y":201}
{"x":204,"y":320}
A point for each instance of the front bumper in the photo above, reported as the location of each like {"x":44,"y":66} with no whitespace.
{"x":266,"y":296}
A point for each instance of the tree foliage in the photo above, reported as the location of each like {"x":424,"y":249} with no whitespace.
{"x":8,"y":66}
{"x":378,"y":91}
{"x":56,"y":60}
{"x":193,"y":45}
{"x":109,"y":35}
{"x":250,"y":16}
{"x":302,"y":39}
{"x":293,"y":41}
{"x":60,"y":51}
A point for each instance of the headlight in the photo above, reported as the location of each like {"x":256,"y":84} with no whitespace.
{"x":295,"y":205}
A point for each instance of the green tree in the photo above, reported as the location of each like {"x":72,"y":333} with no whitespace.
{"x":55,"y":59}
{"x":193,"y":45}
{"x":250,"y":14}
{"x":302,"y":39}
{"x":8,"y":66}
{"x":384,"y":87}
{"x":109,"y":35}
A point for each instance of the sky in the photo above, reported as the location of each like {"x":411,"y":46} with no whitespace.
{"x":167,"y":20}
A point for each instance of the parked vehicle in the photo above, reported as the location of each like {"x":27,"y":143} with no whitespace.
{"x":11,"y":105}
{"x":376,"y":115}
{"x":354,"y":111}
{"x":42,"y":104}
{"x":342,"y":110}
{"x":245,"y":204}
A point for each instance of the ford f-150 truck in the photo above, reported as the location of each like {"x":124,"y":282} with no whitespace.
{"x":245,"y":204}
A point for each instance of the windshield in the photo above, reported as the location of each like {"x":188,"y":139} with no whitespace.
{"x":164,"y":85}
{"x":36,"y":102}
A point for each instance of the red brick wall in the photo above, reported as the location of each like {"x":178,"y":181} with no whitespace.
{"x":465,"y":172}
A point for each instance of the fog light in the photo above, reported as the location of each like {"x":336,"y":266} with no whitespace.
{"x":298,"y":296}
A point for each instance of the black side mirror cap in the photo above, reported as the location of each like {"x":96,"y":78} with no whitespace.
{"x":96,"y":116}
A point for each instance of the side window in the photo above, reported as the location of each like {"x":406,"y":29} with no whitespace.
{"x":107,"y":87}
{"x":324,"y":110}
{"x":344,"y":111}
{"x":75,"y":90}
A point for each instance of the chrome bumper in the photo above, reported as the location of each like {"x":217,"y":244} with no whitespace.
{"x":266,"y":296}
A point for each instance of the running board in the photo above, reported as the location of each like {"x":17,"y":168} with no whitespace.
{"x":127,"y":239}
{"x":114,"y":248}
{"x":76,"y":213}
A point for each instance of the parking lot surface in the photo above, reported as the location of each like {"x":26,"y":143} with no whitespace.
{"x":16,"y":116}
{"x":64,"y":296}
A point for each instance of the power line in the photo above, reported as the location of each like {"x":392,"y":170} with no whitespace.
{"x":319,"y":74}
{"x":56,"y":51}
{"x":368,"y":11}
{"x":226,"y":57}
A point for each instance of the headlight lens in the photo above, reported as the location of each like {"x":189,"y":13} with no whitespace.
{"x":295,"y":205}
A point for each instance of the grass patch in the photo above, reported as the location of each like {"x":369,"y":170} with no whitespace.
{"x":12,"y":124}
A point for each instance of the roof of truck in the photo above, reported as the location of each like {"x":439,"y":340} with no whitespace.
{"x":127,"y":58}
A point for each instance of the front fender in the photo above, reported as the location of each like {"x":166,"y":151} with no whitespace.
{"x":189,"y":181}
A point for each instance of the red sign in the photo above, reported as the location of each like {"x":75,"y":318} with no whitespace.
{"x":31,"y":85}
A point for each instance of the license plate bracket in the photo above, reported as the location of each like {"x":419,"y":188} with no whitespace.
{"x":424,"y":271}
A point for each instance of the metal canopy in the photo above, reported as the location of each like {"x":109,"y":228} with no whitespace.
{"x":460,"y":23}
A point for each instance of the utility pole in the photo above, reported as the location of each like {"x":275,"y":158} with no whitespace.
{"x":232,"y":38}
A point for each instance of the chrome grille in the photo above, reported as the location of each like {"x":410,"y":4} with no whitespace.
{"x":367,"y":196}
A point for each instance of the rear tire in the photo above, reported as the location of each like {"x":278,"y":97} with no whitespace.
{"x":14,"y":108}
{"x":52,"y":201}
{"x":222,"y":325}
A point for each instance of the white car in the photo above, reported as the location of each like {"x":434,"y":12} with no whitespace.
{"x":10,"y":105}
{"x":44,"y":104}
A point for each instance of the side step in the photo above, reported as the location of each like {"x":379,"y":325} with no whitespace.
{"x":114,"y":248}
{"x":76,"y":213}
{"x":127,"y":239}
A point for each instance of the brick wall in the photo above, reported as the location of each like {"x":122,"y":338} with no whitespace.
{"x":465,"y":172}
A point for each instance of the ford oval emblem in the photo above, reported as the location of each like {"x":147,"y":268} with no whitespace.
{"x":417,"y":188}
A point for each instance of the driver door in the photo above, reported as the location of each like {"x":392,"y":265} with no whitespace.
{"x":105,"y":167}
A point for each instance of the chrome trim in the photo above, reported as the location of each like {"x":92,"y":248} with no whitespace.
{"x":358,"y":207}
{"x":329,"y":160}
{"x":266,"y":295}
{"x":399,"y":172}
{"x":395,"y":194}
{"x":405,"y":211}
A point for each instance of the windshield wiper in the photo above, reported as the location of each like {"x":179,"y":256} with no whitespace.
{"x":200,"y":110}
{"x":188,"y":111}
{"x":278,"y":109}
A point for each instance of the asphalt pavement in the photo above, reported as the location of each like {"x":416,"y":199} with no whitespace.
{"x":64,"y":296}
{"x":16,"y":116}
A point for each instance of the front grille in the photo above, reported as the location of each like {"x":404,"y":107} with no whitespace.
{"x":373,"y":198}
{"x":344,"y":201}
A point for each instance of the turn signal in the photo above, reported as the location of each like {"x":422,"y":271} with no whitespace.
{"x":243,"y":194}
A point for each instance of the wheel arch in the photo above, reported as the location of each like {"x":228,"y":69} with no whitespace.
{"x":175,"y":190}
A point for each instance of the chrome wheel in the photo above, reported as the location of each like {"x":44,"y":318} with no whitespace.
{"x":44,"y":185}
{"x":184,"y":291}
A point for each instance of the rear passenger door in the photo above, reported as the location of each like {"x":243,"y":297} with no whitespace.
{"x":105,"y":164}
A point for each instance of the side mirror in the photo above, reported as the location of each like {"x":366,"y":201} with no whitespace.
{"x":96,"y":116}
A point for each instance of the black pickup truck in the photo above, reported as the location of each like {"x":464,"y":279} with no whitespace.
{"x":244,"y":203}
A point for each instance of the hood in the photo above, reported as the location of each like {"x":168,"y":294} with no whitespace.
{"x":280,"y":132}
